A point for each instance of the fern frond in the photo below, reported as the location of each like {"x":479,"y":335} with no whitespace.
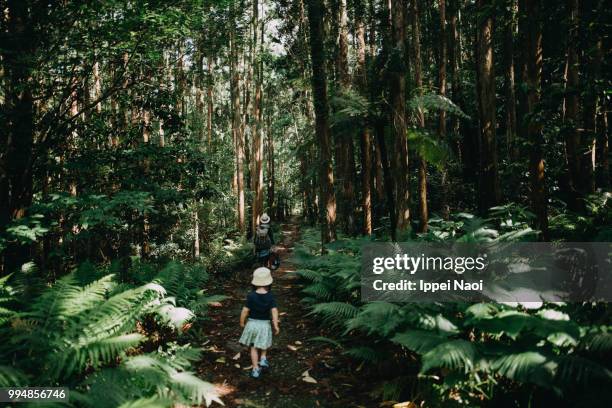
{"x":11,"y":377}
{"x":527,"y":366}
{"x":324,"y":339}
{"x":420,"y":341}
{"x":454,"y":355}
{"x":310,"y":275}
{"x":580,"y":370}
{"x":597,"y":343}
{"x":364,"y":353}
{"x":336,"y":312}
{"x":196,"y":390}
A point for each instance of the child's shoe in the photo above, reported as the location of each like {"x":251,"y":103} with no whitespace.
{"x":256,"y":372}
{"x":264,"y":363}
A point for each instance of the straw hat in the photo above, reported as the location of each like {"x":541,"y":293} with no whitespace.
{"x":265,"y":218}
{"x":262,"y":277}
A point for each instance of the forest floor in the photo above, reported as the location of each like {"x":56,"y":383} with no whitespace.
{"x":303,"y":373}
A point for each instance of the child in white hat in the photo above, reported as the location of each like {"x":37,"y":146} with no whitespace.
{"x":259,"y":309}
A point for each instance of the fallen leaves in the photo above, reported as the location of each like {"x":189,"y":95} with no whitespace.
{"x":236,"y":357}
{"x":307,"y":378}
{"x":292,"y":348}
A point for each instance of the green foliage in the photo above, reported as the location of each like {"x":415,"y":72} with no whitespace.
{"x":91,"y":336}
{"x":430,"y":148}
{"x":434,"y":102}
{"x":480,"y":350}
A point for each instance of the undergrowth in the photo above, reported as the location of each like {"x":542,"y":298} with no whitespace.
{"x":461,"y":353}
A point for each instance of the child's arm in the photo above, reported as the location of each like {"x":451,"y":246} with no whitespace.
{"x":243,"y":316}
{"x":275,"y":320}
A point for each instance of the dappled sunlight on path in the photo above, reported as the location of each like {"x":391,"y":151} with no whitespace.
{"x":303,"y":373}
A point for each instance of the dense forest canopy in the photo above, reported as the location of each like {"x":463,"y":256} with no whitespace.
{"x":134,"y":133}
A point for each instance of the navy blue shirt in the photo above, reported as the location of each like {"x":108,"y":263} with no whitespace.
{"x":260,"y":304}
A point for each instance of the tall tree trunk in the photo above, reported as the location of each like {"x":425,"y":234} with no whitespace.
{"x":454,"y":55}
{"x":319,"y":87}
{"x":257,"y":140}
{"x":388,"y":177}
{"x":398,"y":115}
{"x":17,"y":137}
{"x":442,"y":119}
{"x":488,"y":182}
{"x":344,"y":145}
{"x":574,"y":155}
{"x":237,"y":126}
{"x":209,"y":98}
{"x":271,"y":169}
{"x":510,"y":100}
{"x":603,"y":146}
{"x":534,"y":128}
{"x":366,"y":134}
{"x":418,"y":81}
{"x":593,"y":58}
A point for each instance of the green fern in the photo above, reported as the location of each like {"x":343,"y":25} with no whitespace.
{"x":335,"y":312}
{"x":420,"y":341}
{"x":454,"y":355}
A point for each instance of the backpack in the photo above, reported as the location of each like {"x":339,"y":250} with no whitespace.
{"x":262,"y":238}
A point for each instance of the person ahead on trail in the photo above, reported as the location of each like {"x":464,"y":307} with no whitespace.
{"x":263,"y":239}
{"x":259,"y":309}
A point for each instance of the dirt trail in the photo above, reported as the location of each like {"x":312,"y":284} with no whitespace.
{"x":227,"y":364}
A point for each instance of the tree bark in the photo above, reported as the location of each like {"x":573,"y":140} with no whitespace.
{"x":510,"y":100}
{"x":366,"y":134}
{"x":319,"y":88}
{"x":257,"y":139}
{"x":572,"y":107}
{"x":398,"y":116}
{"x":442,"y":118}
{"x":488,"y":182}
{"x":237,"y":127}
{"x":534,"y":128}
{"x":418,"y":80}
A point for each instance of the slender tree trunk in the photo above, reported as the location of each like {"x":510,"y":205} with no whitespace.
{"x":572,"y":106}
{"x":196,"y":231}
{"x":366,"y":134}
{"x":454,"y":55}
{"x":418,"y":81}
{"x":603,"y":146}
{"x":271,"y":175}
{"x":488,"y":182}
{"x":388,"y":177}
{"x":534,"y":128}
{"x":257,"y":139}
{"x":209,"y":98}
{"x":442,"y":119}
{"x":344,"y":145}
{"x":237,"y":126}
{"x":593,"y":58}
{"x":509,"y":80}
{"x":398,"y":115}
{"x":319,"y":88}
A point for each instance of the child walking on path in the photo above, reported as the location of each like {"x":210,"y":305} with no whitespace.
{"x":259,"y":309}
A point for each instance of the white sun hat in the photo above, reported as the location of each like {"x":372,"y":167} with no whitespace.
{"x":262,"y":277}
{"x":265,"y":218}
